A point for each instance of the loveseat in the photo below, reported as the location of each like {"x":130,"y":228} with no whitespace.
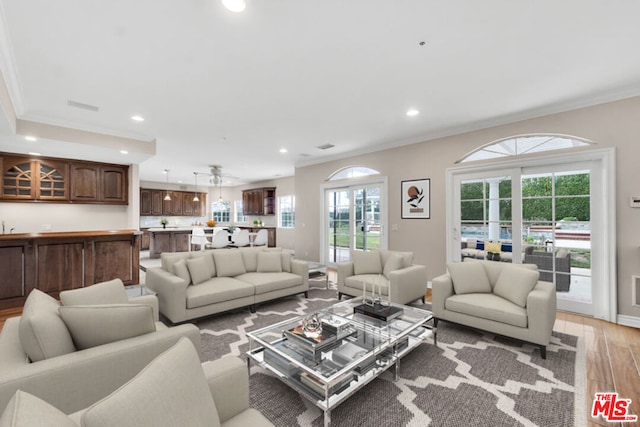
{"x":74,"y":355}
{"x":172,"y":390}
{"x":503,"y":298}
{"x":390,"y":273}
{"x":190,"y":285}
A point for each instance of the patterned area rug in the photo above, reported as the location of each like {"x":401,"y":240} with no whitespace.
{"x":470,"y":378}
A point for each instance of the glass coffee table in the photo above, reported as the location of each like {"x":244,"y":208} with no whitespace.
{"x":354,"y":347}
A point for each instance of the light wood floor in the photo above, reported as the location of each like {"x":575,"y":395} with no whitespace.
{"x":613,"y":357}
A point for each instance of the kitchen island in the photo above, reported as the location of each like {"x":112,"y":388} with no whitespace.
{"x":171,"y":239}
{"x":57,"y":261}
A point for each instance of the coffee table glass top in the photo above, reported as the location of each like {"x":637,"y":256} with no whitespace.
{"x":351,"y":350}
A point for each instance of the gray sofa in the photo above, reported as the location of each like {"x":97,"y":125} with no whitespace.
{"x":390,"y":271}
{"x":44,"y":355}
{"x":173,"y":389}
{"x":503,"y":298}
{"x":190,"y":285}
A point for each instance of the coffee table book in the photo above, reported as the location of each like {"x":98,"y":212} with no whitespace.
{"x":311,"y":344}
{"x":377,"y":311}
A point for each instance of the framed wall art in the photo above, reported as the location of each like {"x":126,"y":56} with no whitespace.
{"x":416,"y":195}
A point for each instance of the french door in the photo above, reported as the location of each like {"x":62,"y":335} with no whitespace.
{"x":553,"y":214}
{"x":354,"y":219}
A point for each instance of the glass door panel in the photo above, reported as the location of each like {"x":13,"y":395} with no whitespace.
{"x":354,"y":219}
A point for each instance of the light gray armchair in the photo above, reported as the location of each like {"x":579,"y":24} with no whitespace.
{"x":503,"y":298}
{"x":392,"y":272}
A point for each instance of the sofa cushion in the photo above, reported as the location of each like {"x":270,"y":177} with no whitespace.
{"x":250,"y":258}
{"x":208,"y":258}
{"x":94,"y":325}
{"x":199,"y":270}
{"x":366,"y":262}
{"x":269,"y":262}
{"x":488,"y":306}
{"x":169,"y":259}
{"x":407,"y":257}
{"x":170,"y":391}
{"x":468,"y":277}
{"x":370,"y":281}
{"x":515,"y":283}
{"x":181,"y":270}
{"x":267,"y":282}
{"x":42,"y":332}
{"x":26,"y":410}
{"x":218,"y":289}
{"x":229,"y":263}
{"x":111,"y":292}
{"x":286,"y":261}
{"x":394,"y":262}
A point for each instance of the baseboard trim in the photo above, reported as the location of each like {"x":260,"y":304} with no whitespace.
{"x":629,"y":321}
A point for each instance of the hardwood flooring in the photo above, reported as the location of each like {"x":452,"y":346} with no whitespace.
{"x":612,"y":356}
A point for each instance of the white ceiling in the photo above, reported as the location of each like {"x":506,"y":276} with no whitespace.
{"x":218,"y":87}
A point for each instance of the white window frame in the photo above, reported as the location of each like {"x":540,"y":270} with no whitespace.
{"x":219,"y":215}
{"x":292,"y":205}
{"x":239,"y":217}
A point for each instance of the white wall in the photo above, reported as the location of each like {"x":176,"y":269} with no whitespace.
{"x":612,"y":124}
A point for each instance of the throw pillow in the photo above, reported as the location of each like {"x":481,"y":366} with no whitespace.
{"x":515,"y":283}
{"x":366,"y":262}
{"x":494,"y":247}
{"x":250,"y":258}
{"x":468,"y":278}
{"x":269,"y":262}
{"x":170,"y":391}
{"x":199,"y":270}
{"x":208,"y":257}
{"x":181,"y":270}
{"x":229,"y":263}
{"x":111,"y":292}
{"x":25,"y":409}
{"x":93,"y":325}
{"x":394,"y":262}
{"x":42,"y":332}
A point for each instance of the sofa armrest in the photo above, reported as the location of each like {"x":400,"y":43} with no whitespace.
{"x":442,"y":288}
{"x":76,"y":380}
{"x":171,"y":292}
{"x":301,"y":268}
{"x":408,"y":284}
{"x":151,"y":300}
{"x":541,"y":311}
{"x":344,"y":270}
{"x":228,"y":380}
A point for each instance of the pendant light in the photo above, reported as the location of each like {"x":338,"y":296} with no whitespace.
{"x":220,"y":186}
{"x":167,"y":197}
{"x":195,"y":194}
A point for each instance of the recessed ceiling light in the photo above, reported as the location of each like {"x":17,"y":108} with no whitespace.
{"x":235,"y":5}
{"x":124,"y":152}
{"x":33,"y":153}
{"x":413,"y":112}
{"x":283,"y":150}
{"x":30,"y":138}
{"x":137,"y":118}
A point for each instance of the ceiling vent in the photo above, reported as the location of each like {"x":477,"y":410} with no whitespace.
{"x":325,"y":146}
{"x":82,"y":106}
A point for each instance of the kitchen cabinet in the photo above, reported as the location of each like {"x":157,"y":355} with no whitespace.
{"x":34,"y":179}
{"x":259,"y":201}
{"x":62,"y":180}
{"x":54,"y":262}
{"x":152,"y":203}
{"x":97,"y":183}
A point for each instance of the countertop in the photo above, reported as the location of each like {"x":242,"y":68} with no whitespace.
{"x":66,"y":234}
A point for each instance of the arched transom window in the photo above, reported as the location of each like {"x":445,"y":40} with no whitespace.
{"x":352,"y":172}
{"x":523,"y":144}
